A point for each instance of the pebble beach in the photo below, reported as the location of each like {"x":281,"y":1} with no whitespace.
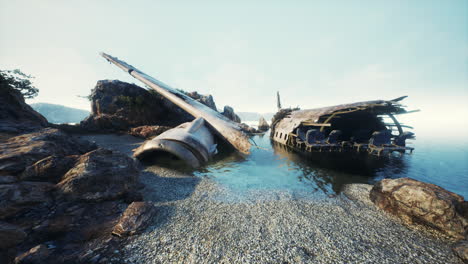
{"x":202,"y":221}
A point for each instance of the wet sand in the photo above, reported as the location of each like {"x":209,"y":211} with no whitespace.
{"x":200,"y":221}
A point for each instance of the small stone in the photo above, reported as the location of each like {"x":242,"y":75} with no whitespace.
{"x":136,"y":217}
{"x":37,"y":254}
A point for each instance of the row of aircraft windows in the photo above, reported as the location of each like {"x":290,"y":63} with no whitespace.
{"x":281,"y":135}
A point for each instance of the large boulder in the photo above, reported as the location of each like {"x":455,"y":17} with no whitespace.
{"x":262,"y":124}
{"x":19,"y":152}
{"x":229,"y":113}
{"x":19,"y":196}
{"x":204,"y":99}
{"x":135,"y":219}
{"x":248,"y":129}
{"x":75,"y":222}
{"x":422,"y":203}
{"x":50,"y":169}
{"x":119,"y":106}
{"x":10,"y":235}
{"x":100,"y":175}
{"x":15,"y":115}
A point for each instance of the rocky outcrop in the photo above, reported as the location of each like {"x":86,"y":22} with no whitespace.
{"x":119,"y":106}
{"x":248,"y":129}
{"x":19,"y":152}
{"x":15,"y":115}
{"x":99,"y":175}
{"x":262,"y":124}
{"x":148,"y":132}
{"x":51,"y":168}
{"x":422,"y":203}
{"x":135,"y":219}
{"x":229,"y":113}
{"x":60,"y":198}
{"x":10,"y":235}
{"x":17,"y":197}
{"x":204,"y":99}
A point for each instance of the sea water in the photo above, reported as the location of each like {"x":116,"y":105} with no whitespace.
{"x":273,"y":168}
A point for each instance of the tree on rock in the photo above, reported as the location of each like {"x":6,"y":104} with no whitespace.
{"x":18,"y":80}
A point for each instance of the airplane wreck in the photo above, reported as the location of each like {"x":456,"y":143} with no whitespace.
{"x":358,"y":127}
{"x":191,"y":142}
{"x":361,"y":127}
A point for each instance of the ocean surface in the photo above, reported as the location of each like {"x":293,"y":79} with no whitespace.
{"x":271,"y":167}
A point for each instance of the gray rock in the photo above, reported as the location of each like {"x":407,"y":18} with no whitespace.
{"x":22,"y":151}
{"x":204,"y":99}
{"x":100,"y":175}
{"x":50,"y":169}
{"x":422,"y":203}
{"x":135,"y":219}
{"x":262,"y":124}
{"x":119,"y":106}
{"x":229,"y":113}
{"x":4,"y":179}
{"x":248,"y":129}
{"x":15,"y":115}
{"x":19,"y":196}
{"x":10,"y":235}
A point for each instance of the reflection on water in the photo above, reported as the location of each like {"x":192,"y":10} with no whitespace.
{"x":275,"y":167}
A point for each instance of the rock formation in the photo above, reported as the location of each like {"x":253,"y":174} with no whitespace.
{"x":423,"y":203}
{"x":17,"y":153}
{"x":204,"y":99}
{"x":262,"y":124}
{"x":119,"y":106}
{"x":229,"y":113}
{"x":60,"y":197}
{"x":15,"y":115}
{"x":99,"y":175}
{"x":134,"y":219}
{"x":248,"y":129}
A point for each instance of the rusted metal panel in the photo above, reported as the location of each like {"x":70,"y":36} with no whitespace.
{"x":225,"y":128}
{"x":296,"y":118}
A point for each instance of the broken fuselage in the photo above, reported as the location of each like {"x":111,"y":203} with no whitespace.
{"x":364,"y":126}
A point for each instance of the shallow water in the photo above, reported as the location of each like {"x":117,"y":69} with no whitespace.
{"x":272,"y":168}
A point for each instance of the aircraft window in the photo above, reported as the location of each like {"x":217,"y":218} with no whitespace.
{"x":276,"y":134}
{"x":281,"y":135}
{"x":285,"y":136}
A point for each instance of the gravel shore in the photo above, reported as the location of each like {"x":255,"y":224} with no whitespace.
{"x":200,"y":221}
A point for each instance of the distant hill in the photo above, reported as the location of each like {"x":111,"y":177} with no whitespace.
{"x":253,"y":116}
{"x":59,"y":114}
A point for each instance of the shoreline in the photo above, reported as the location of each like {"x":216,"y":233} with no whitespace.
{"x":193,"y":225}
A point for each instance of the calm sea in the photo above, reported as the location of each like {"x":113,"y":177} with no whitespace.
{"x":275,"y":168}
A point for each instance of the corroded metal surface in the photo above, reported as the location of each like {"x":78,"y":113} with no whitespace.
{"x":312,"y":116}
{"x":191,"y":142}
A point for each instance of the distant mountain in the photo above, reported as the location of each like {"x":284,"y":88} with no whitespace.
{"x":59,"y":114}
{"x":253,"y":116}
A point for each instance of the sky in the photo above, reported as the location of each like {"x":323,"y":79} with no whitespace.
{"x":315,"y":53}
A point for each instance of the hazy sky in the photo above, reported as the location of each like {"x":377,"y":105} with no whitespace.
{"x":316,"y":53}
